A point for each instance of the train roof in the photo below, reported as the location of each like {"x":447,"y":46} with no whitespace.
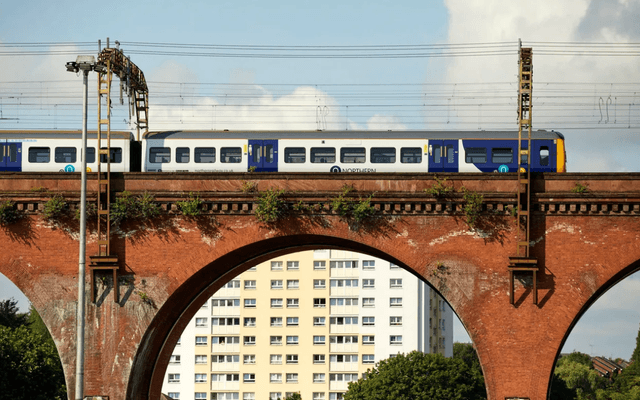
{"x":540,"y":134}
{"x":42,"y":134}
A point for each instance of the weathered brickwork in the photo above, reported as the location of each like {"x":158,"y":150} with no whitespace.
{"x":170,"y":265}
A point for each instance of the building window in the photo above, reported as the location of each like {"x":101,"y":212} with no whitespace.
{"x":174,"y":378}
{"x":224,"y":396}
{"x":370,"y":339}
{"x":292,"y":358}
{"x":201,"y":378}
{"x":276,"y":303}
{"x":225,"y":321}
{"x":318,"y":321}
{"x":318,"y":358}
{"x":343,"y":264}
{"x":275,"y":395}
{"x":319,"y":378}
{"x":343,"y":339}
{"x":343,"y":320}
{"x":395,"y":321}
{"x":292,"y":340}
{"x":174,"y":395}
{"x":248,"y":396}
{"x":292,"y":321}
{"x":368,"y":302}
{"x":249,"y":303}
{"x":248,"y":285}
{"x":368,"y":359}
{"x":319,"y":303}
{"x":318,"y":340}
{"x":393,"y":266}
{"x":395,"y":339}
{"x":249,"y":340}
{"x":293,"y":284}
{"x":318,"y":396}
{"x":292,"y":378}
{"x":201,"y":359}
{"x":276,"y":284}
{"x":368,"y":321}
{"x":276,"y":321}
{"x":202,"y":395}
{"x":225,"y":340}
{"x":368,"y":283}
{"x":344,"y":282}
{"x":275,"y":359}
{"x":319,"y":265}
{"x":276,"y":265}
{"x":201,"y":340}
{"x":175,"y":359}
{"x":395,"y":283}
{"x":395,"y":302}
{"x":338,"y":301}
{"x":200,"y":322}
{"x":319,"y":283}
{"x":368,"y":265}
{"x":234,"y":284}
{"x":293,"y":265}
{"x":249,"y":378}
{"x":225,"y":303}
{"x":343,"y":358}
{"x":275,"y":378}
{"x":250,"y":322}
{"x":221,"y":359}
{"x":249,"y":359}
{"x":293,"y":303}
{"x":275,"y":340}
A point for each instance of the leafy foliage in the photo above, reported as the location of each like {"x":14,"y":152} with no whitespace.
{"x":580,"y":188}
{"x":270,"y":207}
{"x":130,"y":207}
{"x":418,"y":376}
{"x":472,"y":206}
{"x":440,"y":188}
{"x":54,"y":207}
{"x":191,"y":206}
{"x":348,"y":207}
{"x":9,"y":315}
{"x":8,"y":213}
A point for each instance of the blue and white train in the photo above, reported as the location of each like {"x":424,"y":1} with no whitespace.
{"x":288,"y":151}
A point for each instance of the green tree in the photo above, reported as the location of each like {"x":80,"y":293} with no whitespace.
{"x":583,"y":378}
{"x":418,"y":376}
{"x":29,"y":367}
{"x":294,"y":396}
{"x":9,"y":315}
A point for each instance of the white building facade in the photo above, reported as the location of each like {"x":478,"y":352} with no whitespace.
{"x":308,"y":323}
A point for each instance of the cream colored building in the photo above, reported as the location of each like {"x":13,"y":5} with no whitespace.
{"x":307,"y":323}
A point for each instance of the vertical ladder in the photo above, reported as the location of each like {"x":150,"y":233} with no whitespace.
{"x":523,"y":262}
{"x":104,"y":260}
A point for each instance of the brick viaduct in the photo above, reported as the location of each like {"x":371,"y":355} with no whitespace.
{"x":170,"y":265}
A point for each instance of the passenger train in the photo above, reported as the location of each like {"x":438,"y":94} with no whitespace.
{"x":286,"y":151}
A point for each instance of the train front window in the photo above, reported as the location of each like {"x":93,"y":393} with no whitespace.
{"x":65,"y":154}
{"x":231,"y":155}
{"x":323,"y":155}
{"x":544,"y":156}
{"x":383,"y":155}
{"x":502,"y":155}
{"x":39,"y":154}
{"x":295,"y":155}
{"x":204,"y":155}
{"x":475,"y":155}
{"x":182,"y":155}
{"x":116,"y":155}
{"x":411,"y":155}
{"x":352,"y":155}
{"x":159,"y":155}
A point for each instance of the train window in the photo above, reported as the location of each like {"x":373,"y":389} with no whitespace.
{"x":295,"y":155}
{"x":451,"y":157}
{"x":116,"y":155}
{"x":383,"y":155}
{"x":159,"y":155}
{"x":39,"y":154}
{"x":231,"y":155}
{"x":268,"y":153}
{"x":475,"y":155}
{"x":91,"y":155}
{"x":323,"y":155}
{"x":411,"y":155}
{"x":65,"y":155}
{"x":544,"y":156}
{"x":502,"y":155}
{"x":182,"y":155}
{"x":352,"y":155}
{"x":204,"y":154}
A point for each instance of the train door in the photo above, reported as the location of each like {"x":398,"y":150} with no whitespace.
{"x":443,"y":156}
{"x":11,"y":157}
{"x":263,"y":155}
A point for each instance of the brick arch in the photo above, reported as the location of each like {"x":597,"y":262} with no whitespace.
{"x":611,"y":283}
{"x":160,"y":338}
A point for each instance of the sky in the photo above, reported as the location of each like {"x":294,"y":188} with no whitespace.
{"x":593,"y":100}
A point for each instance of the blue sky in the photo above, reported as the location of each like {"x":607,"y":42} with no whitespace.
{"x":611,"y":326}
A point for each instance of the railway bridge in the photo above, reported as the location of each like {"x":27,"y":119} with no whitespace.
{"x":585,"y":236}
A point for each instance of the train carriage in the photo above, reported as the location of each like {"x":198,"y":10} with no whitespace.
{"x":348,"y":151}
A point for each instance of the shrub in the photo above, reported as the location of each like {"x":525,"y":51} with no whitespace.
{"x":8,"y":213}
{"x":270,"y":207}
{"x":130,"y":207}
{"x":191,"y":206}
{"x":54,"y":207}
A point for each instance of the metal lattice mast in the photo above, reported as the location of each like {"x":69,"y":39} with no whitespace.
{"x":522,"y":262}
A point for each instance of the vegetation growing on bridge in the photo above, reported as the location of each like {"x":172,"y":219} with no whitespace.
{"x":271,"y":207}
{"x":55,"y":207}
{"x":351,"y":208}
{"x":130,"y":207}
{"x":8,"y":213}
{"x":191,"y":206}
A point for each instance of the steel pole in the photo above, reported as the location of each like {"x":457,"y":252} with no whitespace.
{"x":83,"y":244}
